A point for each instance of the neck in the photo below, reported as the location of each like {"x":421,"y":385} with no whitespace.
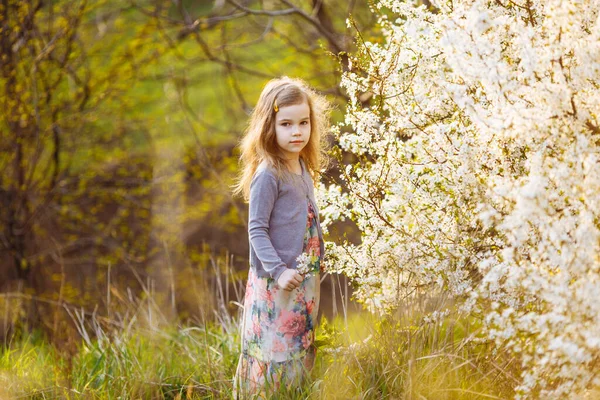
{"x":294,"y":164}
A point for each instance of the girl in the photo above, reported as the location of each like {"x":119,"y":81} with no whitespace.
{"x":283,"y":146}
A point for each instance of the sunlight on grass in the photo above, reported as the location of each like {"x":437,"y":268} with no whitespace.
{"x":363,"y":357}
{"x":404,"y":357}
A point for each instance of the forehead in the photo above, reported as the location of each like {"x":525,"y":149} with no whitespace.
{"x":294,"y":112}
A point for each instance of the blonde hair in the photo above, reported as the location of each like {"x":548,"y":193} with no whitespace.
{"x":259,"y":142}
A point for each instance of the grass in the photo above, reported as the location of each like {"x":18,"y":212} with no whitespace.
{"x":362,"y":356}
{"x":404,"y":357}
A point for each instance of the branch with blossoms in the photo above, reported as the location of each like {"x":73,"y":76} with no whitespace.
{"x":477,"y":174}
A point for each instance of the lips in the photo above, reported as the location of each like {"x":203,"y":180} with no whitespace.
{"x":297,"y":141}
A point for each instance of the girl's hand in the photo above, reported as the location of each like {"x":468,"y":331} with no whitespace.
{"x":289,"y":279}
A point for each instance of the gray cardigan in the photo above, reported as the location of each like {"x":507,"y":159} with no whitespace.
{"x":278,"y":212}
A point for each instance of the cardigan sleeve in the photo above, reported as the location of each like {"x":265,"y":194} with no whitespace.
{"x":263,"y":194}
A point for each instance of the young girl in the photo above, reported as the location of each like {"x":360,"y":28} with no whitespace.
{"x":283,"y":146}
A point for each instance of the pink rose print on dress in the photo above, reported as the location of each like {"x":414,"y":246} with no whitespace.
{"x":278,"y":346}
{"x":291,"y":323}
{"x":249,"y":292}
{"x":309,"y":306}
{"x":258,"y":370}
{"x":313,"y":246}
{"x":307,"y":339}
{"x":256,"y":326}
{"x":266,"y":295}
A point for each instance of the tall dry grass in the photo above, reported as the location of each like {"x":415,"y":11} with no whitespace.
{"x":143,"y":354}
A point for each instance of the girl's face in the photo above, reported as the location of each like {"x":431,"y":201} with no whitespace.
{"x":292,"y":129}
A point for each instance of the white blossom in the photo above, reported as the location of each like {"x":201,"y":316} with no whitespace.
{"x":483,"y":136}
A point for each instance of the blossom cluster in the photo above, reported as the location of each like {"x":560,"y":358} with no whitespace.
{"x":308,"y":264}
{"x":478,"y":171}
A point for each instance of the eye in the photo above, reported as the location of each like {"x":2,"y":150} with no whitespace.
{"x":305,"y":122}
{"x":285,"y":123}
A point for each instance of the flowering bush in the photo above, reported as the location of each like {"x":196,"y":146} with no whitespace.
{"x":478,"y":172}
{"x":308,"y":264}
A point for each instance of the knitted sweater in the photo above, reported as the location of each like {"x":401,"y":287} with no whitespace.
{"x":278,"y":211}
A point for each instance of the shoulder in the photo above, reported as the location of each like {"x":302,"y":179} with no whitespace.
{"x":264,"y":166}
{"x":265,"y":169}
{"x":264,"y":176}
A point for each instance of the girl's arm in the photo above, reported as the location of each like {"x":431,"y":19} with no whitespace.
{"x":263,"y":193}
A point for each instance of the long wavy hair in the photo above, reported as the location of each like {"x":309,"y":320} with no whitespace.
{"x":259,"y":142}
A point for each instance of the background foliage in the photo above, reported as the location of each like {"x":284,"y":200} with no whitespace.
{"x":119,"y":123}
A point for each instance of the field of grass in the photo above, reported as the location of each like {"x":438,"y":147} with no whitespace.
{"x":362,"y":356}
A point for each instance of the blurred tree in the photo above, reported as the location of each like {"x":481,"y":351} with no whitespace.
{"x":66,"y":71}
{"x":117,"y":130}
{"x":224,"y":52}
{"x":238,"y":35}
{"x":47,"y":90}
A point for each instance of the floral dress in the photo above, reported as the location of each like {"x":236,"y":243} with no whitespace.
{"x":278,"y":326}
